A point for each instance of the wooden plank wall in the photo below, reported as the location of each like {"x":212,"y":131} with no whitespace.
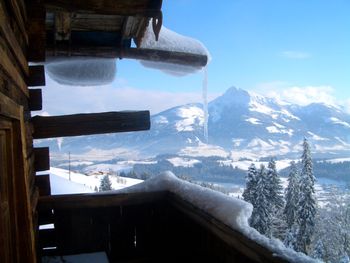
{"x":15,"y":77}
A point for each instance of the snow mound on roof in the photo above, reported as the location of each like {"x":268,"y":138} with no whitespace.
{"x":229,"y":210}
{"x":171,"y":41}
{"x":82,"y":71}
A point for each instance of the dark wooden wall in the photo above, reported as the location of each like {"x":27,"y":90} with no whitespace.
{"x":18,"y":193}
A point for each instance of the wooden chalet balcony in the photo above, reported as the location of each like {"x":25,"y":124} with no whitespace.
{"x":141,"y":227}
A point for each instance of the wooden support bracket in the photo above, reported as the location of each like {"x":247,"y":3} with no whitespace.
{"x":35,"y":99}
{"x":43,"y":184}
{"x":36,"y":76}
{"x":42,"y":159}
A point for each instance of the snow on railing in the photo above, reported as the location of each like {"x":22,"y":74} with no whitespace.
{"x":229,"y":210}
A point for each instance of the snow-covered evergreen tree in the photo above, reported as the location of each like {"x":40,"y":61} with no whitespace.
{"x":276,"y":200}
{"x":275,"y":188}
{"x":105,"y":184}
{"x":262,"y":212}
{"x":292,"y":195}
{"x":290,"y":239}
{"x":306,"y":212}
{"x":251,"y":180}
{"x":344,"y":259}
{"x":318,"y":251}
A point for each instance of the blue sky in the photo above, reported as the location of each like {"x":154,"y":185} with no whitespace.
{"x":270,"y":46}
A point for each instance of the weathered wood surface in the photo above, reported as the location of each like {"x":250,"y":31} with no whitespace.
{"x":148,"y":8}
{"x":94,"y":123}
{"x":36,"y":76}
{"x":18,"y":10}
{"x":8,"y":107}
{"x":12,"y":41}
{"x":42,"y":159}
{"x":35,"y":99}
{"x":180,"y":58}
{"x":12,"y":71}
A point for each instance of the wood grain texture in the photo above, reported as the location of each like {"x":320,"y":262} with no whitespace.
{"x":86,"y":124}
{"x":180,"y":58}
{"x":12,"y":71}
{"x":12,"y":41}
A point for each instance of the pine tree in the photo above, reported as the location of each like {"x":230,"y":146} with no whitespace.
{"x":318,"y":251}
{"x":251,"y":180}
{"x":275,"y":198}
{"x":262,"y":212}
{"x":105,"y":184}
{"x":275,"y":188}
{"x":306,"y":213}
{"x":290,"y":239}
{"x":292,"y":195}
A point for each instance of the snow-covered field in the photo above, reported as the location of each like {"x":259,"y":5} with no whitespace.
{"x":81,"y":183}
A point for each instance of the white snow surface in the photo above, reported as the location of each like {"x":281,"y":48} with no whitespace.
{"x":204,"y":150}
{"x":340,"y":122}
{"x":172,"y":41}
{"x":81,"y":183}
{"x":229,"y":210}
{"x":338,"y":160}
{"x":190,"y":116}
{"x":99,"y":257}
{"x":184,"y":162}
{"x":82,"y":71}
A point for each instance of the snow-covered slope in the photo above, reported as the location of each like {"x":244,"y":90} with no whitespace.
{"x":81,"y":183}
{"x":241,"y":123}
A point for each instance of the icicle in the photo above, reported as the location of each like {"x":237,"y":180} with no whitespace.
{"x":205,"y":102}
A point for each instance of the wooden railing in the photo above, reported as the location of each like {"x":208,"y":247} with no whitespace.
{"x":141,"y":227}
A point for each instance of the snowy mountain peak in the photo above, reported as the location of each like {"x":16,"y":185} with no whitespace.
{"x":262,"y":126}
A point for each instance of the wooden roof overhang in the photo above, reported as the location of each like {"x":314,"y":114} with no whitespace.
{"x":96,"y":28}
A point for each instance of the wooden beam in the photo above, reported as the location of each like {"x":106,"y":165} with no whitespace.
{"x":148,"y":8}
{"x":35,"y":99}
{"x":36,"y":76}
{"x":86,"y":124}
{"x":42,"y":159}
{"x":43,"y":184}
{"x":172,"y":57}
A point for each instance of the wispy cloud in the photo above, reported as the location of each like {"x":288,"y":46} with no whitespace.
{"x":118,"y":96}
{"x":294,"y":54}
{"x":301,"y":95}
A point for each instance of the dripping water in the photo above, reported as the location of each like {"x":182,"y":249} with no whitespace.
{"x":205,"y":102}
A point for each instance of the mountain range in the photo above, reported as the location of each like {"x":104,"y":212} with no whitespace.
{"x":241,"y":124}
